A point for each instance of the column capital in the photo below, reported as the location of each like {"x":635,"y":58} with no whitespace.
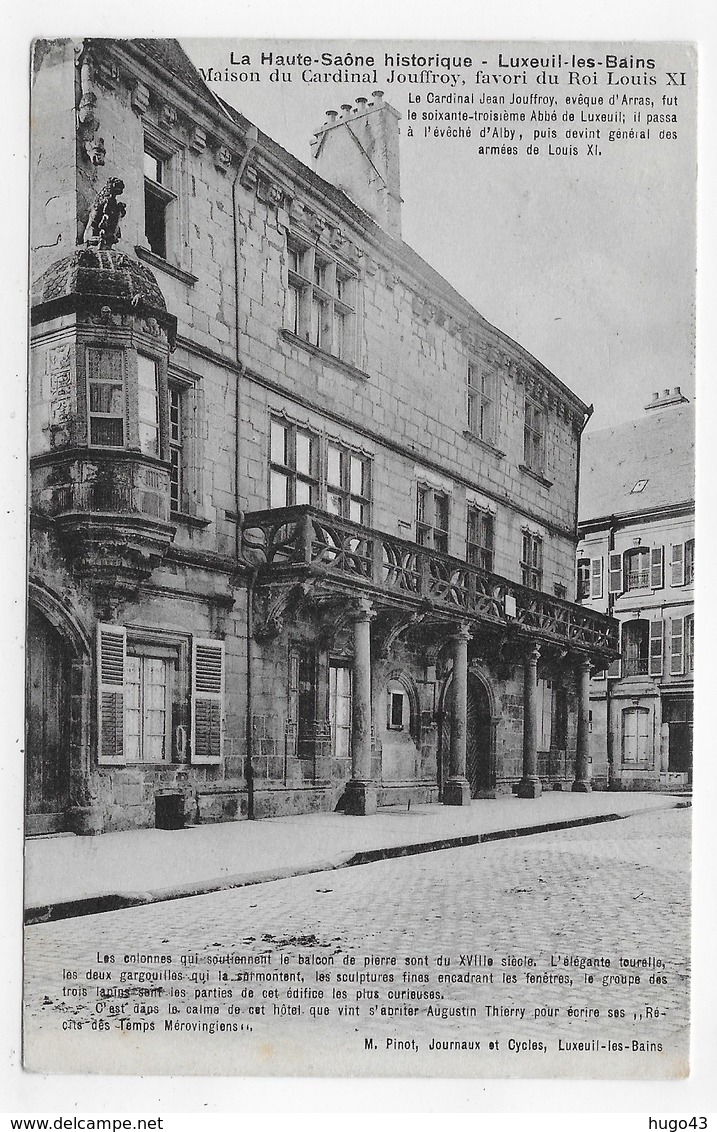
{"x":362,"y":610}
{"x":585,"y":663}
{"x":532,"y":655}
{"x":463,"y":631}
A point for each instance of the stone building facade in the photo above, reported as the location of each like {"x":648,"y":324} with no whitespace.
{"x":636,"y":560}
{"x":303,"y":523}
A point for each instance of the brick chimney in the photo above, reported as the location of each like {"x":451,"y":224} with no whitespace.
{"x":357,"y":150}
{"x":667,"y":397}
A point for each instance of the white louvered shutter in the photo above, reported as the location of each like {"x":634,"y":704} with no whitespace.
{"x":656,"y":648}
{"x":677,"y":651}
{"x":677,"y":564}
{"x":615,"y":573}
{"x":596,"y":577}
{"x":657,"y":569}
{"x":111,"y":653}
{"x":207,"y":700}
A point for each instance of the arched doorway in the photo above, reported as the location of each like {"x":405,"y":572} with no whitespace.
{"x":480,"y":770}
{"x":47,"y":765}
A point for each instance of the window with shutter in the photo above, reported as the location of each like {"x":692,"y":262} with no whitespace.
{"x":656,"y":648}
{"x":583,"y":579}
{"x":207,"y":700}
{"x":677,"y":564}
{"x":596,"y":577}
{"x":657,"y":576}
{"x":615,"y":573}
{"x":111,"y":660}
{"x":677,"y":650}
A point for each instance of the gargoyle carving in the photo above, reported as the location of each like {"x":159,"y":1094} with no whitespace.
{"x":103,"y":224}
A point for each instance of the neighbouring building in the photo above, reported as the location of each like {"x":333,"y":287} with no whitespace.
{"x":303,"y":523}
{"x":636,"y":560}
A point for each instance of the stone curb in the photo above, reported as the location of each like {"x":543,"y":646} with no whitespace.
{"x":112,"y":902}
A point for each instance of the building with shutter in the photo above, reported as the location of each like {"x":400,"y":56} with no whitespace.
{"x":271,"y":570}
{"x":636,"y":560}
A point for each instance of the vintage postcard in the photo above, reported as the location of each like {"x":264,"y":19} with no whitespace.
{"x":360,"y":647}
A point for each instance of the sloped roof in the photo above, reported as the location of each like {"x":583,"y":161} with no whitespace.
{"x":658,"y":447}
{"x":170,"y":58}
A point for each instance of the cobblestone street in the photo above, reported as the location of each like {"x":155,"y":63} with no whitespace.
{"x":352,"y":942}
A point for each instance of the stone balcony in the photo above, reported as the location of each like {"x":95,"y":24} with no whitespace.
{"x":303,"y":542}
{"x":110,"y":511}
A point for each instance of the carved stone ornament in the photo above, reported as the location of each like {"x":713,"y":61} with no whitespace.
{"x":140,"y":99}
{"x":103,"y":224}
{"x":223,"y":158}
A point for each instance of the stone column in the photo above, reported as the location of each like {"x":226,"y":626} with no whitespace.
{"x":582,"y":757}
{"x":361,"y":797}
{"x":530,"y":785}
{"x":457,"y":791}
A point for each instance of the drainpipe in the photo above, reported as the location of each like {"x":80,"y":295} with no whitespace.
{"x":612,"y":783}
{"x":252,"y":138}
{"x":591,"y":410}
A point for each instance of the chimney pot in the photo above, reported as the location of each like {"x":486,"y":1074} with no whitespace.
{"x":377,"y":96}
{"x":666,"y":393}
{"x":332,"y":115}
{"x":655,"y":396}
{"x":361,"y":103}
{"x":677,"y":392}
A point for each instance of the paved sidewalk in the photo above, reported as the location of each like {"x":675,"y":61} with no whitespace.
{"x":67,"y":875}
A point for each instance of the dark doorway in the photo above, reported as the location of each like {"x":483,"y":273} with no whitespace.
{"x":479,"y":771}
{"x":677,"y":714}
{"x":47,"y":766}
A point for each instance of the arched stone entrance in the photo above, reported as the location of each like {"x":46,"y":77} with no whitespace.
{"x":47,"y":764}
{"x":480,"y":758}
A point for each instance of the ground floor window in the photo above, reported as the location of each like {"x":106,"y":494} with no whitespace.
{"x":148,"y":688}
{"x":340,"y":709}
{"x":160,"y":696}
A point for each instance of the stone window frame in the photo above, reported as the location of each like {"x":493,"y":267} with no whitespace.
{"x":480,"y":553}
{"x":128,"y":355}
{"x":481,"y":402}
{"x":287,"y":467}
{"x":173,"y":192}
{"x":534,"y":436}
{"x":318,"y":476}
{"x":317,"y":278}
{"x":148,"y":643}
{"x":531,"y":560}
{"x":162,"y":192}
{"x":428,"y":531}
{"x":346,"y":491}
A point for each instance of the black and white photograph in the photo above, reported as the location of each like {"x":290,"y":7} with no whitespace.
{"x":360,"y":634}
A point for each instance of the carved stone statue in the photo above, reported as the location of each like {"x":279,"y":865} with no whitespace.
{"x":103,"y":225}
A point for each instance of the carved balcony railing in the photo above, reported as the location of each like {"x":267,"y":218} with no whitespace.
{"x":120,"y":484}
{"x":281,"y":541}
{"x":110,"y":511}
